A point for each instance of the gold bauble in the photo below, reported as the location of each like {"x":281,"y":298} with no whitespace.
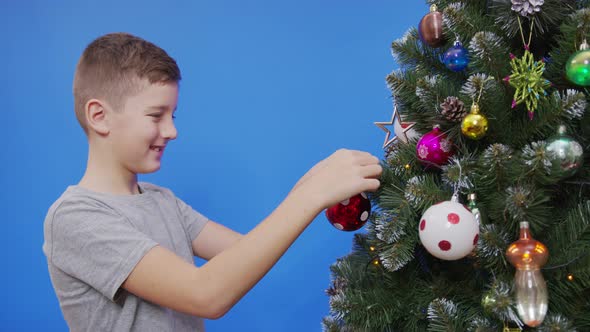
{"x":474,"y":125}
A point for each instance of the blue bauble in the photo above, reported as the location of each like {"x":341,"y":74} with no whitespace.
{"x":456,"y":58}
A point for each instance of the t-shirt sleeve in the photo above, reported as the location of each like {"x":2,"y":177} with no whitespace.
{"x":95,"y":244}
{"x":192,"y":220}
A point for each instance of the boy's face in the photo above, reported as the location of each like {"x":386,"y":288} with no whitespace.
{"x":140,"y":132}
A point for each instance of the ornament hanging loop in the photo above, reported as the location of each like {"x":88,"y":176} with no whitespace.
{"x":525,"y":43}
{"x":455,"y":197}
{"x":481,"y":90}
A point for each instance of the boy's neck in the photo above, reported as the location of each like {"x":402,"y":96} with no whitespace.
{"x":105,"y":178}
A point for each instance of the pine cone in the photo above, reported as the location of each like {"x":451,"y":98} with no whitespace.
{"x":453,"y":109}
{"x":527,"y":7}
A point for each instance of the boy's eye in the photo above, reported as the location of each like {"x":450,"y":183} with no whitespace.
{"x":160,"y":115}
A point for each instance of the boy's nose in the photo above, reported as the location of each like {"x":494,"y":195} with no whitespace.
{"x":169,"y":132}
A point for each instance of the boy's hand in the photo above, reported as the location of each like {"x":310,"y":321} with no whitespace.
{"x":340,"y":176}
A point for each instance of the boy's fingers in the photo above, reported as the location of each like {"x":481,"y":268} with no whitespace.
{"x":368,"y":159}
{"x":371,"y":184}
{"x":360,"y":153}
{"x":371,"y":171}
{"x":359,"y":157}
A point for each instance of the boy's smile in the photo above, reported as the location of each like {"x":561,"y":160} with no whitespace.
{"x":159,"y":150}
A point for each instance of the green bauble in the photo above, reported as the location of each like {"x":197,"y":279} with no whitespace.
{"x":577,"y":67}
{"x":566,"y":154}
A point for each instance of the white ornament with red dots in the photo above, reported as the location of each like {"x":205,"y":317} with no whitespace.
{"x":448,"y":230}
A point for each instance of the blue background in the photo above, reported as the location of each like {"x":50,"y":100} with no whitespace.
{"x":269,"y":88}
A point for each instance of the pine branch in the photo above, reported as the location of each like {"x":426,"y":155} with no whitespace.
{"x":386,"y":226}
{"x":390,"y":195}
{"x":573,"y":104}
{"x":482,"y":324}
{"x":494,"y":169}
{"x":491,"y":246}
{"x":570,"y":239}
{"x":330,"y":324}
{"x":403,"y":87}
{"x":410,"y":54}
{"x":402,"y":161}
{"x":395,"y":256}
{"x":537,"y":163}
{"x":442,"y":315}
{"x":431,"y":91}
{"x":462,"y":20}
{"x":499,"y":302}
{"x":556,"y":322}
{"x":459,"y":172}
{"x":369,"y":309}
{"x":526,"y":203}
{"x":424,"y":191}
{"x":489,"y":53}
{"x":566,"y":296}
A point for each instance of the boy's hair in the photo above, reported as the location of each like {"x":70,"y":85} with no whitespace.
{"x":112,"y":68}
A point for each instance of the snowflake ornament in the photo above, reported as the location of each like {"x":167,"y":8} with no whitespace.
{"x":445,"y":145}
{"x":423,"y":152}
{"x":527,"y":79}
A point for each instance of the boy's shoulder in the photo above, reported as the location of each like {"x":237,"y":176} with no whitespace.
{"x":76,"y":196}
{"x":151,"y":187}
{"x":79,"y":208}
{"x":78,"y":193}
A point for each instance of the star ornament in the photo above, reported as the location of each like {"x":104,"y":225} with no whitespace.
{"x":402,"y":130}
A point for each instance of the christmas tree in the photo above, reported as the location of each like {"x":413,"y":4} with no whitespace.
{"x":482,"y":220}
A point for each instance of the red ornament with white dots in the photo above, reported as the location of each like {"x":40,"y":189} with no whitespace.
{"x":448,"y":230}
{"x":350,"y":214}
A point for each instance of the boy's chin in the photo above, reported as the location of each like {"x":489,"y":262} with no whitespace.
{"x":148,"y":169}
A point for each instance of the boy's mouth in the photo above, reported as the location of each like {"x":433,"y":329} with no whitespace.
{"x":157,"y":148}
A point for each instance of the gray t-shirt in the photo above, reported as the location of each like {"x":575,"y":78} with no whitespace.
{"x":94,"y":240}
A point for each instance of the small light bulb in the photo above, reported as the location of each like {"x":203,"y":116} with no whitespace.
{"x":528,"y":255}
{"x":372,"y":248}
{"x":570,"y":277}
{"x":531,"y":296}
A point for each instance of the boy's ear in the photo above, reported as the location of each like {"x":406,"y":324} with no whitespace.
{"x":96,"y":116}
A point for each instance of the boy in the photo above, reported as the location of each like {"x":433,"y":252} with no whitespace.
{"x":120,"y":252}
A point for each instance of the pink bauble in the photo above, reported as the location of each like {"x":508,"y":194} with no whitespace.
{"x":434,"y":147}
{"x":448,"y":230}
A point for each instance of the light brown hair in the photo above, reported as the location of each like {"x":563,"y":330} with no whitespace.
{"x":112,"y":68}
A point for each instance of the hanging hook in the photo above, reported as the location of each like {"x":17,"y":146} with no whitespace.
{"x":455,"y":197}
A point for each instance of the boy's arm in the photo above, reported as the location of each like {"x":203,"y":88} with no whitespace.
{"x":213,"y":239}
{"x":210,"y":291}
